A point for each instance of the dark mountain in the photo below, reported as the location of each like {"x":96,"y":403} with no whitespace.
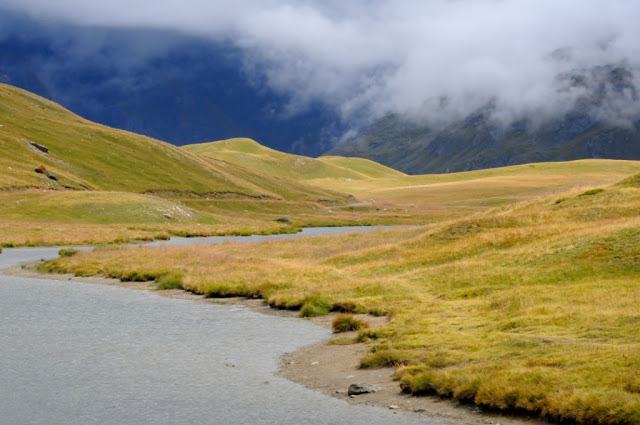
{"x":163,"y":84}
{"x":603,"y":123}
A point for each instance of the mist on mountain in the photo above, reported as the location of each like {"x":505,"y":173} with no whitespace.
{"x":299,"y":75}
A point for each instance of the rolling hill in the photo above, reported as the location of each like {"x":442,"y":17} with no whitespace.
{"x":86,"y":156}
{"x":250,"y":154}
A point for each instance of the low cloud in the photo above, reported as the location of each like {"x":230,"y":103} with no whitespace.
{"x":433,"y":60}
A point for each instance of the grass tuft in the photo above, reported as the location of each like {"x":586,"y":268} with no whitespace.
{"x":171,"y":280}
{"x":67,"y":252}
{"x":347,"y":323}
{"x":314,"y":305}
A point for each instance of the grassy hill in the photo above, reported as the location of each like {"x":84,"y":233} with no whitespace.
{"x":84,"y":155}
{"x":424,"y":198}
{"x":528,"y":308}
{"x":99,"y":176}
{"x":250,"y":154}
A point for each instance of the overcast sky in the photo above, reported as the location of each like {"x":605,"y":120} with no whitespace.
{"x":376,"y":56}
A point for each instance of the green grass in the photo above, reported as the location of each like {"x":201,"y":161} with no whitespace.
{"x":347,"y":323}
{"x":250,"y":154}
{"x":592,"y":192}
{"x":67,"y":252}
{"x":84,"y":155}
{"x":97,"y":208}
{"x":170,"y":281}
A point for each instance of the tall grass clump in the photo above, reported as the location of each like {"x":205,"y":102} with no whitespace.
{"x":347,"y":323}
{"x":315,"y":305}
{"x":171,"y":280}
{"x":67,"y":252}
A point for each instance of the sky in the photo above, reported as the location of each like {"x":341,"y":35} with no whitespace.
{"x":431,"y":60}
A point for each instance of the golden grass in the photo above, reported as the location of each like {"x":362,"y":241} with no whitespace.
{"x":251,"y":155}
{"x":531,"y":308}
{"x":445,"y":196}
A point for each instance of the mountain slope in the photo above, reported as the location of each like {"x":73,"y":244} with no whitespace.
{"x":84,"y":155}
{"x":250,"y":154}
{"x":603,"y":123}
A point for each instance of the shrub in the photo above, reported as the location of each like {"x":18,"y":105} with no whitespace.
{"x":346,"y":323}
{"x":67,"y":252}
{"x":7,"y":245}
{"x":559,"y":200}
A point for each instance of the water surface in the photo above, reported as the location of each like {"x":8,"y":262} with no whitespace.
{"x":77,"y":353}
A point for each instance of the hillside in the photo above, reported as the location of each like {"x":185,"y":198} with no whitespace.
{"x":252,"y":155}
{"x":85,"y":156}
{"x":596,"y":127}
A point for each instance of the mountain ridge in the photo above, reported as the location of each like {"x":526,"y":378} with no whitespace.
{"x":479,"y":141}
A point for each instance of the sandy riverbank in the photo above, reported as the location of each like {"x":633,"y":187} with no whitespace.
{"x":327,"y":368}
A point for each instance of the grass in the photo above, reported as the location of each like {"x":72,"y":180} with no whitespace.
{"x":519,"y":293}
{"x":347,"y":323}
{"x":170,"y":281}
{"x":531,"y":307}
{"x":250,"y":154}
{"x":84,"y":155}
{"x":67,"y":252}
{"x":126,"y":186}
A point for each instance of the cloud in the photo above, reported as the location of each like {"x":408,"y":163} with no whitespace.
{"x":365,"y":58}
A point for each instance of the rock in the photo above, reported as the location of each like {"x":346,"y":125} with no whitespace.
{"x":283,"y":220}
{"x":355,"y":389}
{"x":167,"y":216}
{"x":52,"y":176}
{"x":40,"y":147}
{"x":393,"y":407}
{"x":41,"y":170}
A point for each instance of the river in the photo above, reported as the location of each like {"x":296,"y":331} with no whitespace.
{"x":77,"y":353}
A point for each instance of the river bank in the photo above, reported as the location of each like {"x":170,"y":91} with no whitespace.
{"x":327,"y":368}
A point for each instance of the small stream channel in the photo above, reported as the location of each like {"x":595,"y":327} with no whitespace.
{"x":77,"y":353}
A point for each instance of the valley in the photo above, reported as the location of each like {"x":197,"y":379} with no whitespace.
{"x":513,"y":288}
